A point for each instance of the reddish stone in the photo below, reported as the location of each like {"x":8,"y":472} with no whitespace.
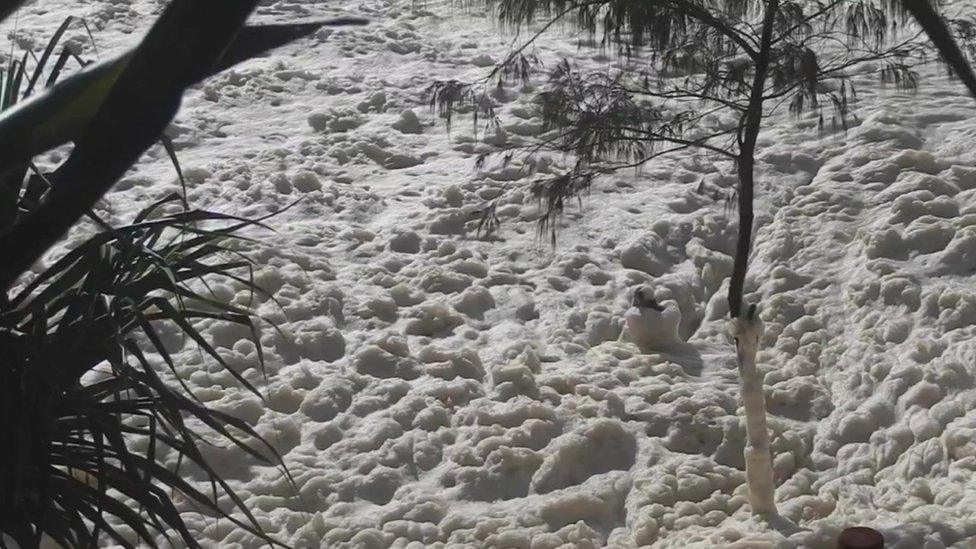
{"x":860,"y":537}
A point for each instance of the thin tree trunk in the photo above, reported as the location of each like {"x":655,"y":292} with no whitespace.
{"x":747,"y":160}
{"x":743,"y":245}
{"x":747,"y":328}
{"x":747,"y":331}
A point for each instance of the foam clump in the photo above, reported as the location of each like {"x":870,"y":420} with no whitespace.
{"x":645,"y":253}
{"x":474,"y":302}
{"x":652,"y":329}
{"x":319,"y":340}
{"x":376,"y":361}
{"x":406,"y":242}
{"x":335,"y":121}
{"x":433,"y":320}
{"x":603,"y":446}
{"x":449,"y":364}
{"x":408,"y":122}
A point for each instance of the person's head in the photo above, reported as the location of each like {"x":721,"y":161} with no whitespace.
{"x":644,"y":299}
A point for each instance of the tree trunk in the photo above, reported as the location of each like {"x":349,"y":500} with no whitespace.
{"x":747,"y":331}
{"x":743,"y":245}
{"x":747,"y":160}
{"x":746,"y":328}
{"x":935,"y":27}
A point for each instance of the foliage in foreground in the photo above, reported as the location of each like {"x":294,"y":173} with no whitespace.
{"x":74,"y":422}
{"x":84,"y":397}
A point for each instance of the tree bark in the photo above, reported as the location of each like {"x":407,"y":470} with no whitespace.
{"x":746,"y":162}
{"x":747,"y":328}
{"x":747,"y":331}
{"x":935,"y":27}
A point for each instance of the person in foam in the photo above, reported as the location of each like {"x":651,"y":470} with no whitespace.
{"x":651,"y":325}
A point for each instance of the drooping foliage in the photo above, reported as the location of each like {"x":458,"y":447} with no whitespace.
{"x":688,"y":70}
{"x":18,"y":81}
{"x":690,"y":74}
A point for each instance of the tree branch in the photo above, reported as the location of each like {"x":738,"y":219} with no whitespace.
{"x":702,"y":15}
{"x":789,"y":32}
{"x":935,"y":26}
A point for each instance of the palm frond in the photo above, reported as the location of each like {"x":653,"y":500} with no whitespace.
{"x":74,"y":477}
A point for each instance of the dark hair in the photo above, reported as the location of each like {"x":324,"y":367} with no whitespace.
{"x":641,"y":300}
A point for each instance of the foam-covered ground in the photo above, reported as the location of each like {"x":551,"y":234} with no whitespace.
{"x":430,"y":389}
